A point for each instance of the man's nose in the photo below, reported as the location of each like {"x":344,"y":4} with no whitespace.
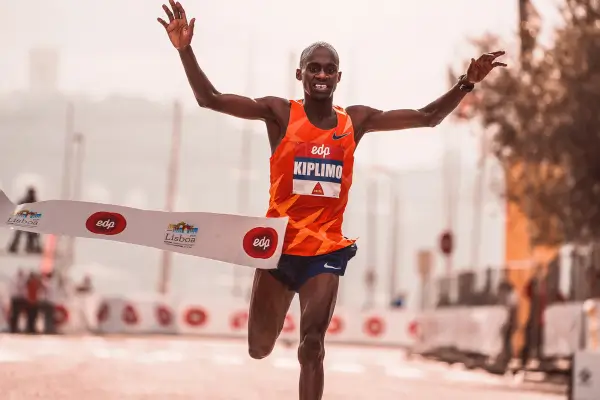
{"x":321,"y":75}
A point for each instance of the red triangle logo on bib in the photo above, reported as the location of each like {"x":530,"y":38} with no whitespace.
{"x":318,"y":189}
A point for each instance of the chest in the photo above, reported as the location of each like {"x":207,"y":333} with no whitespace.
{"x":318,"y":164}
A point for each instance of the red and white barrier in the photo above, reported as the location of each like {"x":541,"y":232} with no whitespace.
{"x":76,"y":314}
{"x":164,"y":315}
{"x":195,"y":318}
{"x":336,"y":326}
{"x":381,"y":326}
{"x":161,"y":315}
{"x":230,"y":319}
{"x":61,"y":315}
{"x":136,"y":315}
{"x":239,"y":320}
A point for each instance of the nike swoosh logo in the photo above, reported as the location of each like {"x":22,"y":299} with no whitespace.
{"x":331,"y":266}
{"x":336,"y":137}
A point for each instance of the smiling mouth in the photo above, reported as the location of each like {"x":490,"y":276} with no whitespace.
{"x":320,"y":86}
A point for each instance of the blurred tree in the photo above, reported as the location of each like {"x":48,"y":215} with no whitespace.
{"x":543,"y":113}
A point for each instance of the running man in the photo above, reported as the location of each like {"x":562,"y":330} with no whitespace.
{"x":312,"y":145}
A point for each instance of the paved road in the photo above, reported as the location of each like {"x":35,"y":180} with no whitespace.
{"x":159,"y":368}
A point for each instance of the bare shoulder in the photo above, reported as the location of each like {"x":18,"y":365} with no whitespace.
{"x":277,"y":125}
{"x":278,"y":105}
{"x":360,"y":115}
{"x":358,"y":112}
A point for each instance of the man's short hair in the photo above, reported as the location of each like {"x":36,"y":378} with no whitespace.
{"x":317,"y":45}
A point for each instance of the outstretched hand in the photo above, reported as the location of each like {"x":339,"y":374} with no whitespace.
{"x":480,"y":68}
{"x":180,"y":33}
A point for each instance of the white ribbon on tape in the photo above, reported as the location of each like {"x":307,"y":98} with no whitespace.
{"x":249,"y":241}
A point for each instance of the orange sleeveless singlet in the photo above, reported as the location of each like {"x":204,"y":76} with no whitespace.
{"x":311,"y":174}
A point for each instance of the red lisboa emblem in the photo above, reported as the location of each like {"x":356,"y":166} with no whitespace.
{"x":195,"y":316}
{"x":288,"y":325}
{"x":374,"y":326}
{"x":130,"y":315}
{"x":336,"y":325}
{"x":239,"y":320}
{"x":103,"y":312}
{"x":163,"y":315}
{"x":61,"y":315}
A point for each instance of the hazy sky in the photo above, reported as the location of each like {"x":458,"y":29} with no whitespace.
{"x":394,"y":54}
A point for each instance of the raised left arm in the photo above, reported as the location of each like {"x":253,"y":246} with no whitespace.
{"x":367,"y":119}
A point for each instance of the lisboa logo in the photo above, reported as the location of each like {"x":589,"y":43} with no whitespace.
{"x":25,"y":219}
{"x":181,"y":235}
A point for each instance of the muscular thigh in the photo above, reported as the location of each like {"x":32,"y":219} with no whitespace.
{"x":269,"y":305}
{"x":317,"y":303}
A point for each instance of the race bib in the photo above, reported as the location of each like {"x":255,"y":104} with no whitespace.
{"x":318,"y":170}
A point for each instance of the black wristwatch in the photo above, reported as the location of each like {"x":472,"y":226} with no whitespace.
{"x":464,"y":85}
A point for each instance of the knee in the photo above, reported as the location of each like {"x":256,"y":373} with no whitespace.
{"x":259,"y":351}
{"x":311,"y":349}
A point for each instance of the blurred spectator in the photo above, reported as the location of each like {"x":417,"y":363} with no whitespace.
{"x":487,"y":296}
{"x":398,"y":301}
{"x":18,"y":300}
{"x":537,"y":293}
{"x":33,"y":291}
{"x":85,"y":286}
{"x":508,"y":298}
{"x":593,"y":280}
{"x":47,"y":302}
{"x":33,"y":238}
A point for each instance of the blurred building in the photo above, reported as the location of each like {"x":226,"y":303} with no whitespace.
{"x":44,"y":64}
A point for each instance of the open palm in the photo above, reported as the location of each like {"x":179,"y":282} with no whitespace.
{"x":179,"y":31}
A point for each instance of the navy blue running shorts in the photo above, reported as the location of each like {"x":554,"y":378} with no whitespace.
{"x":294,"y":271}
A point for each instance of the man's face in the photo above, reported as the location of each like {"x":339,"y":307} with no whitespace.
{"x":320,"y":74}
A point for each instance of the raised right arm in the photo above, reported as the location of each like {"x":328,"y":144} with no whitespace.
{"x":181,"y":33}
{"x":209,"y":97}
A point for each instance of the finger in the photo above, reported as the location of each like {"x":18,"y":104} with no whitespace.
{"x":169,"y":13}
{"x":499,"y":64}
{"x":163,"y":22}
{"x":181,"y":12}
{"x":191,"y":26}
{"x":175,"y":10}
{"x":476,"y":65}
{"x":497,"y":54}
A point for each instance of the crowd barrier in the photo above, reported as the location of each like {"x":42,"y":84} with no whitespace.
{"x":480,"y":330}
{"x":585,"y":383}
{"x":3,"y":318}
{"x":472,"y":330}
{"x":564,"y":329}
{"x":156,"y":315}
